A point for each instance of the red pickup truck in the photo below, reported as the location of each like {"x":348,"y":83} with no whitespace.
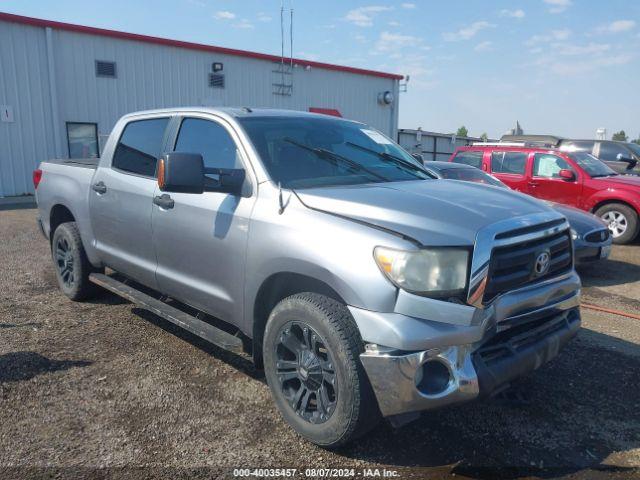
{"x":573,"y":178}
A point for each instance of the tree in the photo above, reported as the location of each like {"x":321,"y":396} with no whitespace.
{"x":462,"y":132}
{"x":484,"y":137}
{"x":620,"y":136}
{"x":637,"y":140}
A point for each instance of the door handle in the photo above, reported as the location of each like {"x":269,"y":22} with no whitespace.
{"x":533,"y":184}
{"x":99,"y":187}
{"x":164,"y":201}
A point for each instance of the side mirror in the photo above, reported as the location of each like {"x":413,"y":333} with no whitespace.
{"x":419,"y":157}
{"x":230,"y":180}
{"x":628,"y":159}
{"x":181,"y":172}
{"x":567,"y":175}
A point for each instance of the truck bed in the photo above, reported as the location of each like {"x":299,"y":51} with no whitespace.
{"x":91,"y":163}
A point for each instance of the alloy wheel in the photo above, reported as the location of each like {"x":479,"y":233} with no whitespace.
{"x":64,"y":261}
{"x":305,"y":371}
{"x":616,"y":221}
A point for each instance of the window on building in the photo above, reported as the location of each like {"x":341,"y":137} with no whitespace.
{"x":82,"y":140}
{"x":469,"y":158}
{"x":140,"y":146}
{"x":209,"y":139}
{"x":509,"y":162}
{"x":549,"y":166}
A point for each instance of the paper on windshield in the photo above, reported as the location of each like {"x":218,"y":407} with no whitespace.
{"x":376,"y":137}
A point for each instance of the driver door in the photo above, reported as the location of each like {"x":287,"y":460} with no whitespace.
{"x":200,"y":242}
{"x":546,"y":182}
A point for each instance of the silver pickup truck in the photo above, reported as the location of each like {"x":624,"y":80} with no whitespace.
{"x":364,"y":287}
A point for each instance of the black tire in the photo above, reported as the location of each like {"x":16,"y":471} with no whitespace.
{"x":70,"y":263}
{"x":619,"y":212}
{"x":354,"y":409}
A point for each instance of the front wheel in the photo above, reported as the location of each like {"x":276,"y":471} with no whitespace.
{"x":311,"y":360}
{"x":622,"y":221}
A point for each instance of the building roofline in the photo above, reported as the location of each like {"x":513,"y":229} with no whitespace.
{"x":38,"y":22}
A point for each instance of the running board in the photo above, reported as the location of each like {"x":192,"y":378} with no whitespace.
{"x":182,"y":319}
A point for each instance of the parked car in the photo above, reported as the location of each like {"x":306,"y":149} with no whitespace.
{"x":623,"y":157}
{"x":577,"y":179}
{"x":591,"y":237}
{"x":364,"y":287}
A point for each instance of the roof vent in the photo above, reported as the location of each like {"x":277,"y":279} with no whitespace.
{"x":216,"y":80}
{"x":105,"y":69}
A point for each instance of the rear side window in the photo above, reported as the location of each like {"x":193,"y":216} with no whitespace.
{"x":140,"y":146}
{"x":209,"y":139}
{"x":578,"y":146}
{"x":469,"y":158}
{"x":508,"y":162}
{"x":609,"y":151}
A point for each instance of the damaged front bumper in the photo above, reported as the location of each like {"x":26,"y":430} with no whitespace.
{"x":467,"y":353}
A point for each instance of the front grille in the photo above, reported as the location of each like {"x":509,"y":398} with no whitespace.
{"x":597,"y":236}
{"x":519,"y":338}
{"x":512,"y":266}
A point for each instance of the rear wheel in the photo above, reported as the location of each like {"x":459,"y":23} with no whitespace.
{"x":622,"y":221}
{"x":312,"y":365}
{"x":71,"y":263}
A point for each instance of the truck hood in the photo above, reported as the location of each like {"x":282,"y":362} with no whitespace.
{"x":433,"y":212}
{"x":622,"y":180}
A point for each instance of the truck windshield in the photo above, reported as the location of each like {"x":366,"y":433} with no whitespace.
{"x":300,"y":152}
{"x":591,"y":165}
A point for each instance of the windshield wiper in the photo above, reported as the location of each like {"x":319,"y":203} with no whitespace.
{"x":329,"y":155}
{"x":393,"y":158}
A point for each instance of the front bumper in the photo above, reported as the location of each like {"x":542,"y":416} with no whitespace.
{"x":482,"y":351}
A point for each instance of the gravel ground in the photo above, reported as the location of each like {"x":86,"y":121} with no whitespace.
{"x":104,"y":385}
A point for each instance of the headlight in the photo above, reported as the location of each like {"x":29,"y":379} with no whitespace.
{"x":574,"y":235}
{"x":430,"y":271}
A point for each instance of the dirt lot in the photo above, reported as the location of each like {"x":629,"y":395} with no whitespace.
{"x":105,"y":385}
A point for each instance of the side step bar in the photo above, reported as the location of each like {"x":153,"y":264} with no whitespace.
{"x":190,"y":323}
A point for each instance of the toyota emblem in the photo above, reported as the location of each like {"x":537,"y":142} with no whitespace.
{"x":541,"y":266}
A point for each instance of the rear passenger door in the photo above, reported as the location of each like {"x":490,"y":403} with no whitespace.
{"x":121,"y":196}
{"x":200,"y":243}
{"x":511,"y":168}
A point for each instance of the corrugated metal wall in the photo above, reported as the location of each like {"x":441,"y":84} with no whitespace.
{"x":432,"y":145}
{"x":24,"y":86}
{"x":148,"y":76}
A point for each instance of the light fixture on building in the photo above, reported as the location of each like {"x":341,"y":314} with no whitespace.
{"x":385,"y":98}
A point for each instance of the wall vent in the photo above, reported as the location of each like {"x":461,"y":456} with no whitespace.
{"x":216,"y":80}
{"x":105,"y":69}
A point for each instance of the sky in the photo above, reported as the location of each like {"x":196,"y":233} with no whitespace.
{"x":564,"y":67}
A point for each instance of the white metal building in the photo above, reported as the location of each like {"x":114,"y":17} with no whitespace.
{"x":63,"y":86}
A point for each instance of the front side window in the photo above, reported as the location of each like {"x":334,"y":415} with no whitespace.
{"x":509,"y":162}
{"x":635,"y":148}
{"x":140,"y":146}
{"x":549,"y":166}
{"x":305,"y":152}
{"x":209,"y":139}
{"x":82,"y":139}
{"x":466,"y":157}
{"x":609,"y":151}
